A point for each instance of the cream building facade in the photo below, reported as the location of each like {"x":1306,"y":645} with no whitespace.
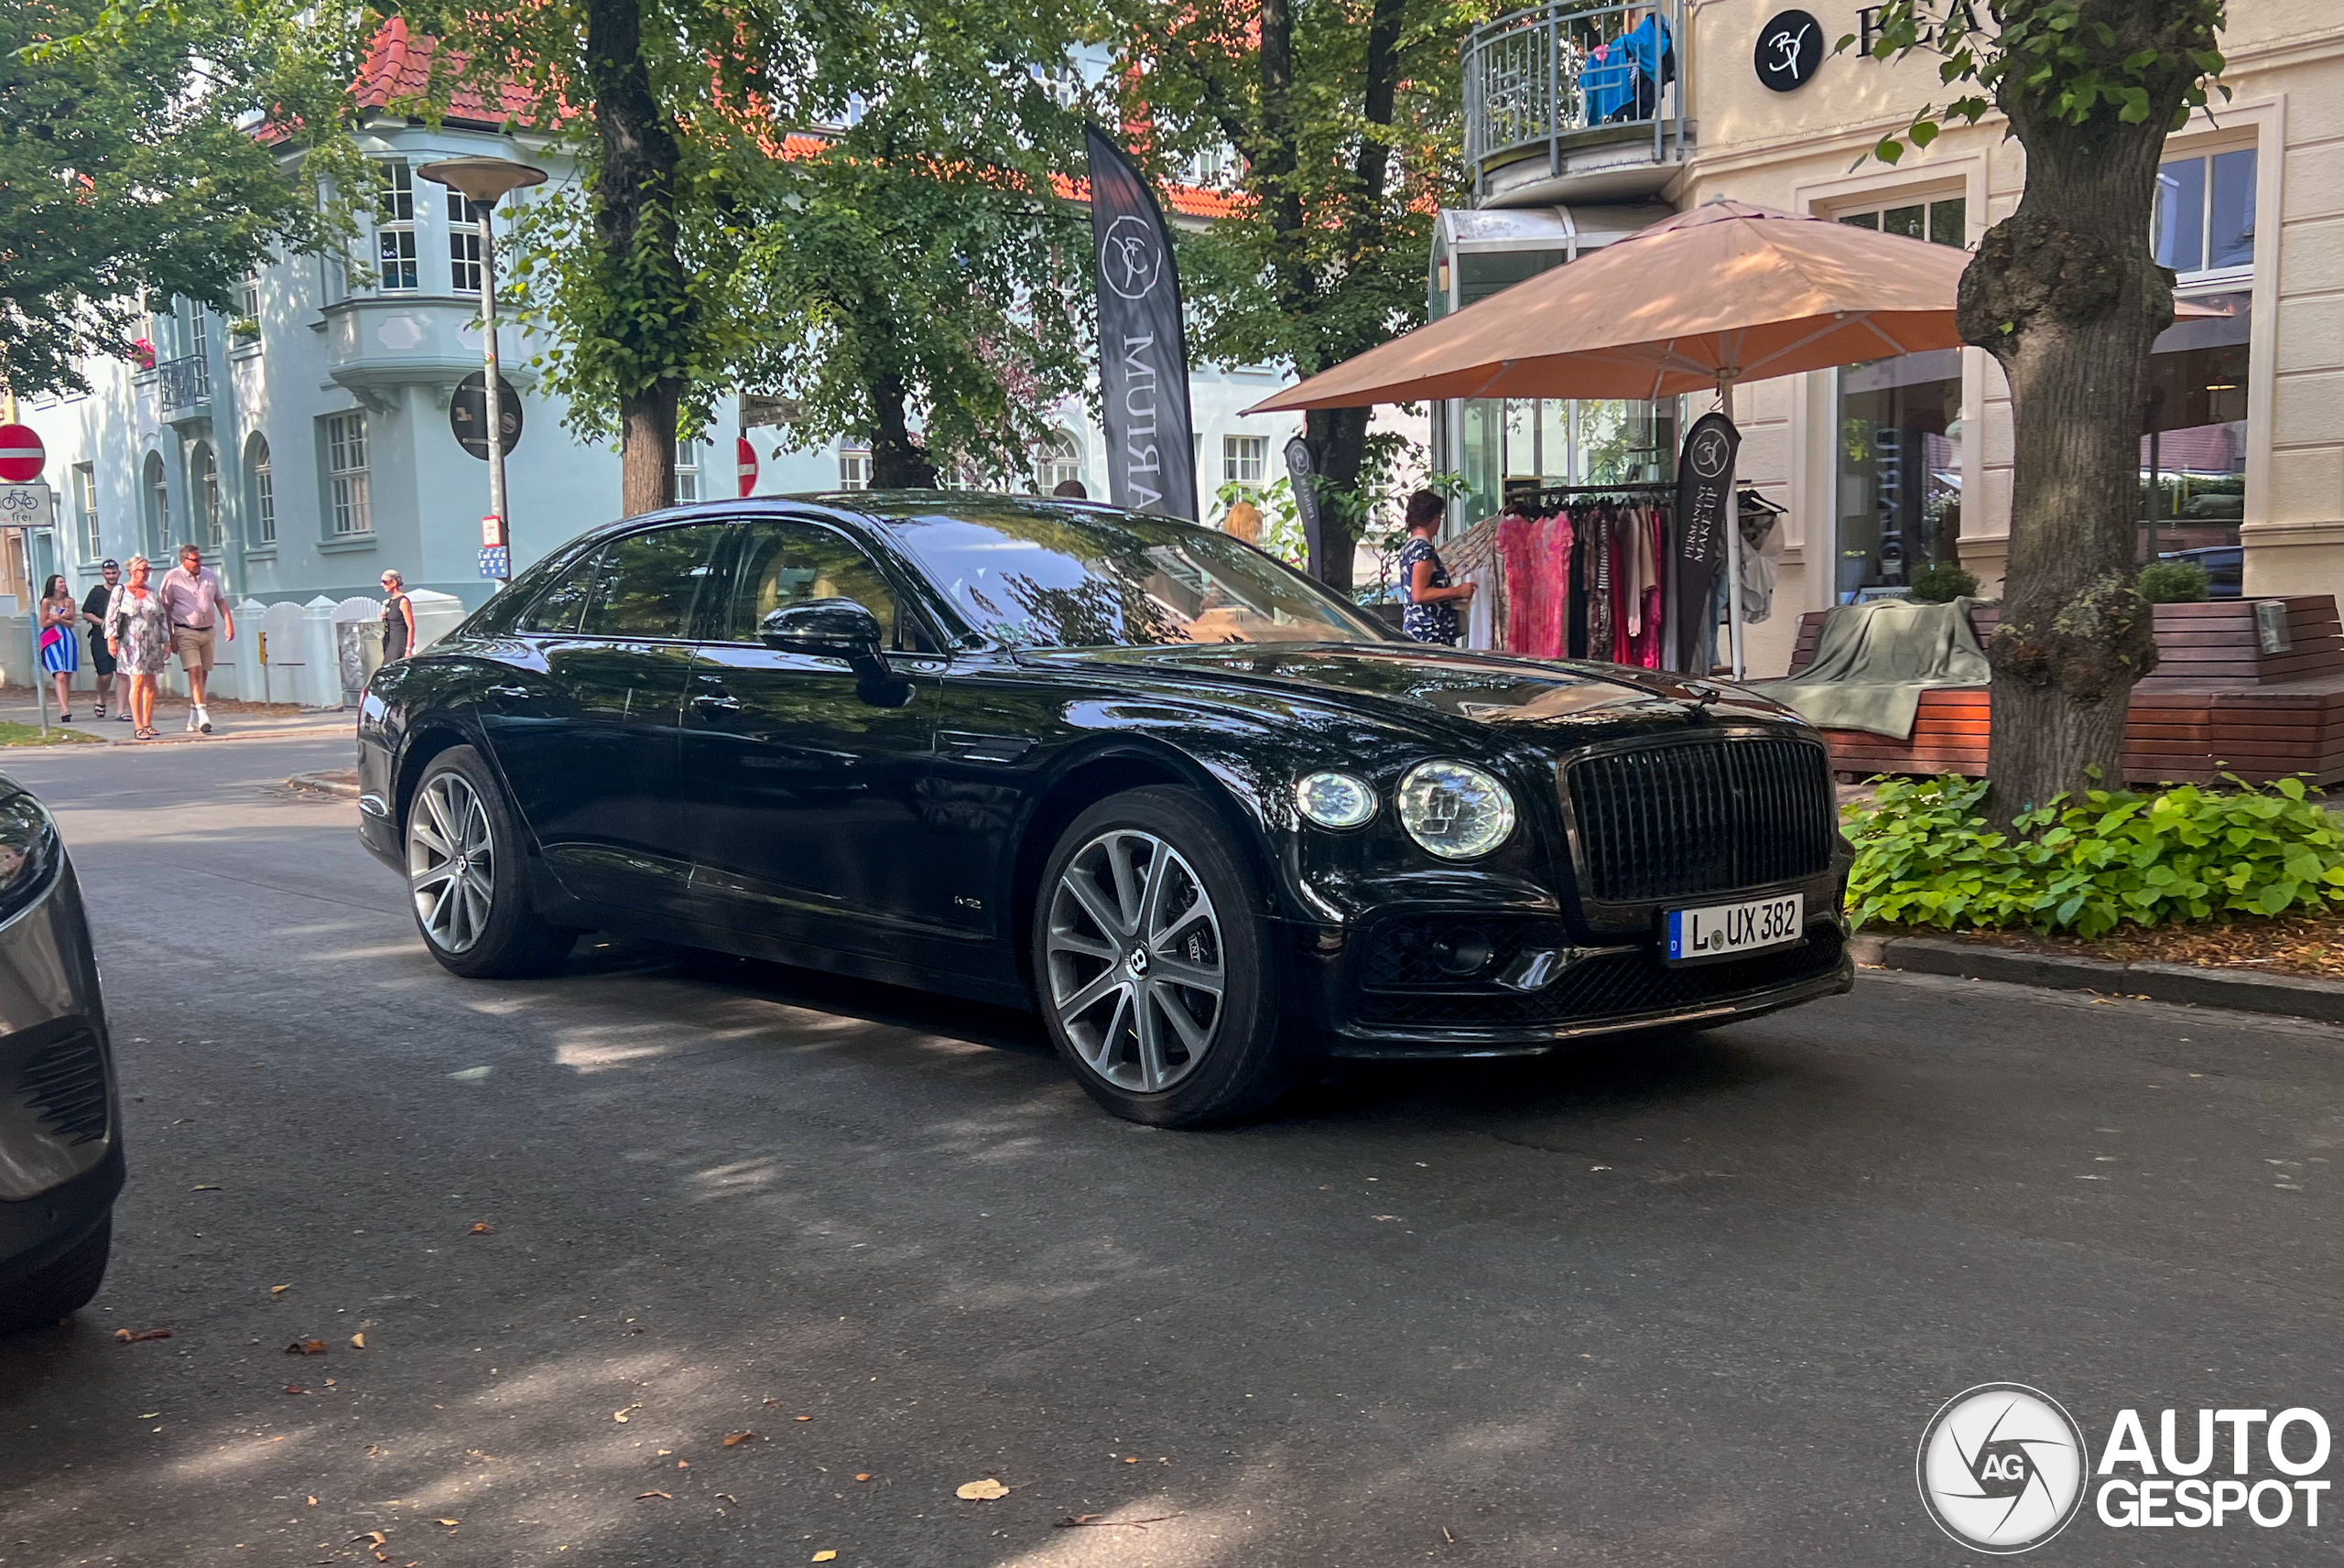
{"x":1883,"y":466}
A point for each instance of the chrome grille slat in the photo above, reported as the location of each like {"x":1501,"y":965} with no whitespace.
{"x":1704,"y":816}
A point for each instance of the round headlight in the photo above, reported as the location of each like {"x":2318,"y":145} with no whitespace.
{"x":1335,"y":800}
{"x":1454,"y":810}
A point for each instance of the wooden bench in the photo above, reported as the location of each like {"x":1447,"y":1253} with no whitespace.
{"x":2216,"y":703}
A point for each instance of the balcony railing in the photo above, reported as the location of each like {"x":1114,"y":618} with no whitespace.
{"x":186,"y":383}
{"x":1570,"y":72}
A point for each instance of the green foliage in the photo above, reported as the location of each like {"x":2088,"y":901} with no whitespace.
{"x":1926,"y":856}
{"x":1281,"y":519}
{"x":2071,"y":62}
{"x":129,"y":170}
{"x":2173,"y":582}
{"x":1942,"y":582}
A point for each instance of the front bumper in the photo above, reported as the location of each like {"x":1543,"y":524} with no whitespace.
{"x":60,"y":1140}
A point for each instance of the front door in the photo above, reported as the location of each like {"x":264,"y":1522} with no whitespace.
{"x":803,"y":775}
{"x":588,"y":738}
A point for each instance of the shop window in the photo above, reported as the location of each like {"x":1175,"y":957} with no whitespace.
{"x":349,"y":502}
{"x":395,"y":229}
{"x":1508,"y":447}
{"x":1244,"y":459}
{"x":2193,"y":424}
{"x":2205,"y":212}
{"x":1899,"y":479}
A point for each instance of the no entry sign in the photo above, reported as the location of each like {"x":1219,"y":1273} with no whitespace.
{"x":21,"y":454}
{"x":748,"y":466}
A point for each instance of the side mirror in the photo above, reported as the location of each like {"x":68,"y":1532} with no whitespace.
{"x":838,"y":627}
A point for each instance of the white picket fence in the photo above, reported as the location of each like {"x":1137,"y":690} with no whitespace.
{"x":310,"y":660}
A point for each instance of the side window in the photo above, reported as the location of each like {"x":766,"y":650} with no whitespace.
{"x":647,"y":583}
{"x":789,"y":562}
{"x":557,"y":609}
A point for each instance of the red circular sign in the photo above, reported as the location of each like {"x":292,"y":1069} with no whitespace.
{"x":21,"y":454}
{"x":748,"y":466}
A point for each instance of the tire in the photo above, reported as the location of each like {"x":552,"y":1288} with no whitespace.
{"x":480,"y":925}
{"x":61,"y":1287}
{"x":1115,"y":948}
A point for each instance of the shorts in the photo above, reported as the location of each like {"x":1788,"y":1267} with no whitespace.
{"x":101,"y":656}
{"x":193,"y":644}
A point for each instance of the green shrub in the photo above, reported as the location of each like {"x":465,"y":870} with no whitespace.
{"x":2173,"y":582}
{"x":1925,"y":857}
{"x":1942,"y":582}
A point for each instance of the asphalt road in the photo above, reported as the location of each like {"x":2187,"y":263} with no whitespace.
{"x":1684,"y":1300}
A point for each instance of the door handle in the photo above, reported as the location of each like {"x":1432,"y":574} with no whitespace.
{"x":726,"y":704}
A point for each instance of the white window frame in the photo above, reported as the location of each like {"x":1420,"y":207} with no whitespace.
{"x":1244,"y":459}
{"x":688,"y":469}
{"x":463,"y":247}
{"x":204,"y":481}
{"x":2213,"y":279}
{"x":84,"y":479}
{"x":1056,"y":461}
{"x":854,"y":467}
{"x":396,"y":268}
{"x":264,"y":494}
{"x":350,"y":512}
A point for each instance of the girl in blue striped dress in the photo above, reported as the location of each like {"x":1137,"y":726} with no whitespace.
{"x":60,"y":650}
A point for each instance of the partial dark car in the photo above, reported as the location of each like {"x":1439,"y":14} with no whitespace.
{"x":1206,"y":817}
{"x":60,"y":1145}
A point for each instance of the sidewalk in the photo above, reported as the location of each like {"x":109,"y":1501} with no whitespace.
{"x":229,"y":721}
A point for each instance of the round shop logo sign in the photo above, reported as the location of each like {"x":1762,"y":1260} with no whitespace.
{"x":1710,"y":453}
{"x":1130,"y":261}
{"x":2002,"y":1468}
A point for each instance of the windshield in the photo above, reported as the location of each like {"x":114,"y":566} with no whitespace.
{"x":1038,"y":576}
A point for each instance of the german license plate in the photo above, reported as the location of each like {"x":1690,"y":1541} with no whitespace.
{"x":1751,"y":926}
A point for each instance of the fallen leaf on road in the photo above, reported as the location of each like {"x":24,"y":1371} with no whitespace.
{"x":449,"y":1522}
{"x":728,"y":1498}
{"x":735,"y":1440}
{"x":823,"y":1556}
{"x":1133,"y":1460}
{"x":863,"y":1475}
{"x":619,"y":1415}
{"x":645,"y":1496}
{"x":772,"y":1404}
{"x":1387,"y":1217}
{"x":295,"y":1388}
{"x":480,"y":1228}
{"x":1097,"y":1523}
{"x":373,"y":1538}
{"x":471,"y":1075}
{"x":306,"y":1348}
{"x":983,"y":1491}
{"x":358,"y":1342}
{"x":313,"y":1502}
{"x":278,"y":1290}
{"x":207,"y":1187}
{"x":801,"y":1417}
{"x":127,"y":1337}
{"x":150,"y":1415}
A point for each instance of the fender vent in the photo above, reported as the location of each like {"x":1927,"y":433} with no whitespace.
{"x":66,"y":1084}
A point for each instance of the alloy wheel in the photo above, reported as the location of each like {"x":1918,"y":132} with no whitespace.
{"x":1134,"y":954}
{"x":450,"y":862}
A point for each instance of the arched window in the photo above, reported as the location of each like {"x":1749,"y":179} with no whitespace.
{"x":260,"y":486}
{"x":1056,"y":461}
{"x":157,"y":490}
{"x":205,"y":474}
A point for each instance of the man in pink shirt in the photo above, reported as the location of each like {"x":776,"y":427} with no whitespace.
{"x":197,"y":608}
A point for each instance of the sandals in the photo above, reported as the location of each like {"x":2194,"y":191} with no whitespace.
{"x":144,"y":733}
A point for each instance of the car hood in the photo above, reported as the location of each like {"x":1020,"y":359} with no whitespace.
{"x":1497,"y":690}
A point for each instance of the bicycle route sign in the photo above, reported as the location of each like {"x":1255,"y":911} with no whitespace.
{"x":27,"y":506}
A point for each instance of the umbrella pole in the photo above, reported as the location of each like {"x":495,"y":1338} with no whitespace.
{"x":1732,"y":544}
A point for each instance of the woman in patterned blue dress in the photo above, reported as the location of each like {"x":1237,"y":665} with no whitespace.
{"x":1431,"y":614}
{"x":60,"y":647}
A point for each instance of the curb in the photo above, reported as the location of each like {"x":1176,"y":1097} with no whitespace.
{"x":323,"y":784}
{"x":2285,"y":996}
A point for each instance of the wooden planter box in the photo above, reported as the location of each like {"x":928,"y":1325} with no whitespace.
{"x":2216,"y":704}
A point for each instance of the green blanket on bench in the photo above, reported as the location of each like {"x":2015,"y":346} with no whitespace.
{"x":1873,"y":661}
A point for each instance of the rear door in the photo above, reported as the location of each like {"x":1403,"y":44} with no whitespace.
{"x":586,"y":727}
{"x":803,"y":775}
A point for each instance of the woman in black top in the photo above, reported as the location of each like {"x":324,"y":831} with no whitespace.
{"x":1431,"y":614}
{"x":102,"y":662}
{"x":399,"y":618}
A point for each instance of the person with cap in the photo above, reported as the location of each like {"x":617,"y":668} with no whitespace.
{"x":102,"y":660}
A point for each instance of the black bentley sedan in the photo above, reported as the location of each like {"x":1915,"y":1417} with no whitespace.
{"x":1205,"y":816}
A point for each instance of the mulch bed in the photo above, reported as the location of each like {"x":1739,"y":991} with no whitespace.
{"x":2309,"y":945}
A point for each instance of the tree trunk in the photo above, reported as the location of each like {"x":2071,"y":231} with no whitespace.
{"x":2065,"y":294}
{"x":640,"y":272}
{"x":1338,"y":439}
{"x":897,"y":459}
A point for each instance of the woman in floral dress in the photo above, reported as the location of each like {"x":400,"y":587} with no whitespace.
{"x":138,"y":630}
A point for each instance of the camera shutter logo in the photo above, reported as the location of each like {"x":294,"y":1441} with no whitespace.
{"x":1130,"y":261}
{"x":2002,"y":1468}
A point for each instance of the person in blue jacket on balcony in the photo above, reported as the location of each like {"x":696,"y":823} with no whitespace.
{"x":1623,"y":78}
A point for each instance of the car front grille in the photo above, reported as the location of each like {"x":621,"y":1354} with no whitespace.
{"x":1705,"y":817}
{"x":66,"y":1084}
{"x":1612,"y":985}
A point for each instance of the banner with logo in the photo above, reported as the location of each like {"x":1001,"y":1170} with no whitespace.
{"x":1143,"y":355}
{"x":1704,"y":503}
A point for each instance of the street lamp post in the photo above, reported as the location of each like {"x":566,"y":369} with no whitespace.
{"x":484,"y":181}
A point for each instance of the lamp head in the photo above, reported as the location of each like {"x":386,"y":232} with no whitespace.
{"x":482,"y":179}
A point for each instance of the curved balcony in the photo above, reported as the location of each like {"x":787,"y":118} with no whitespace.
{"x":1578,"y":102}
